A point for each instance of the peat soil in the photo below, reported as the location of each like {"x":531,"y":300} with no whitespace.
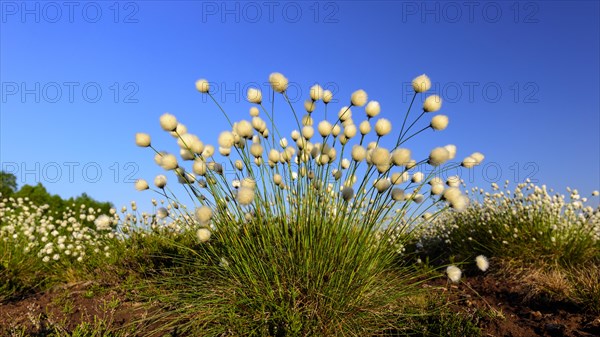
{"x":64,"y":308}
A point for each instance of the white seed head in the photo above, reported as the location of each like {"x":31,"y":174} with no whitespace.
{"x":209,"y":150}
{"x":345,"y":163}
{"x":382,"y":184}
{"x":459,"y":203}
{"x":380,"y":156}
{"x":324,"y":128}
{"x":347,"y":193}
{"x":254,"y":111}
{"x":142,"y":139}
{"x":482,"y":263}
{"x":141,"y":185}
{"x":401,"y":157}
{"x":239,"y":165}
{"x":168,"y":122}
{"x":453,"y":273}
{"x":168,"y":162}
{"x":350,"y":131}
{"x":204,"y":214}
{"x":397,"y":194}
{"x":417,"y":177}
{"x":452,"y":193}
{"x":179,"y":130}
{"x":224,"y":151}
{"x":469,"y":162}
{"x":336,"y":130}
{"x":437,"y":189}
{"x":295,"y":135}
{"x":432,"y":103}
{"x":451,"y":151}
{"x":439,"y":122}
{"x":244,"y":129}
{"x":383,"y":127}
{"x":421,"y":83}
{"x":203,"y":234}
{"x":327,"y":96}
{"x":248,"y":183}
{"x":226,"y":139}
{"x":453,"y":181}
{"x":364,"y":127}
{"x":310,"y":105}
{"x":316,"y":92}
{"x":254,"y":95}
{"x":162,"y":213}
{"x":359,"y":153}
{"x":595,"y":193}
{"x":245,"y":195}
{"x":160,"y":181}
{"x":438,"y":156}
{"x":478,"y":156}
{"x":283,"y":142}
{"x":359,"y":98}
{"x":345,"y":113}
{"x":278,"y":82}
{"x":199,"y":167}
{"x":277,"y":179}
{"x":202,"y":86}
{"x":186,"y":154}
{"x":308,"y":131}
{"x":398,"y":178}
{"x":373,"y":109}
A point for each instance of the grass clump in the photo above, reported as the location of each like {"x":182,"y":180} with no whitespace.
{"x":302,"y":239}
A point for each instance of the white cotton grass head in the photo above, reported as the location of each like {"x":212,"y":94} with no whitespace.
{"x":142,"y":139}
{"x":254,"y":112}
{"x":437,"y":189}
{"x":181,"y":129}
{"x":401,"y":156}
{"x":372,"y":109}
{"x":421,"y":83}
{"x":417,"y":177}
{"x":160,"y":181}
{"x":204,"y":214}
{"x":316,"y":92}
{"x":168,"y":162}
{"x":364,"y":127}
{"x":469,"y":162}
{"x":202,"y":85}
{"x":203,"y":234}
{"x":103,"y":222}
{"x":324,"y":128}
{"x":439,"y":122}
{"x":478,"y":156}
{"x":380,"y":156}
{"x":244,"y":129}
{"x":345,"y":113}
{"x":432,"y":103}
{"x":350,"y":131}
{"x":254,"y":95}
{"x":397,"y":194}
{"x":383,"y":127}
{"x":278,"y":82}
{"x":454,"y":273}
{"x":347,"y":193}
{"x":162,"y":213}
{"x":168,"y":122}
{"x":359,"y":153}
{"x":482,"y":263}
{"x":226,"y":139}
{"x":327,"y":96}
{"x":310,"y":105}
{"x":595,"y":193}
{"x":141,"y":185}
{"x":438,"y":156}
{"x":382,"y":185}
{"x":245,"y":195}
{"x":359,"y":98}
{"x":451,"y":151}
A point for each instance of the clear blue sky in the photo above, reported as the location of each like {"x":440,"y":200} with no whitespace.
{"x":521,"y":80}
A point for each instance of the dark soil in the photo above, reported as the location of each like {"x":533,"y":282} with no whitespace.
{"x":63,"y":308}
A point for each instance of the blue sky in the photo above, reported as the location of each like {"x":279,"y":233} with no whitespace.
{"x":521,"y":80}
